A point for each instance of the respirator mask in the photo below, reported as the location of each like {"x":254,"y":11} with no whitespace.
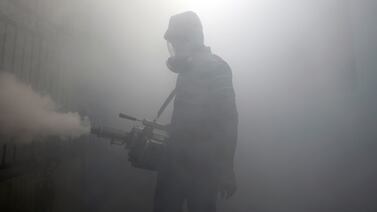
{"x":179,"y":59}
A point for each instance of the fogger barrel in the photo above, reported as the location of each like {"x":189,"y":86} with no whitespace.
{"x":146,"y":144}
{"x":115,"y":135}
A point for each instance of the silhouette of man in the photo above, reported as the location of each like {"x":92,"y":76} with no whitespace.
{"x":199,"y":161}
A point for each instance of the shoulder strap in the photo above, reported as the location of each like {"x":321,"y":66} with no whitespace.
{"x":165,"y":104}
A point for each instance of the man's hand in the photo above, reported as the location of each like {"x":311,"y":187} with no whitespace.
{"x":227,"y":185}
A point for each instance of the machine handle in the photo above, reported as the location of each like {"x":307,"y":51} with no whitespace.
{"x":125,"y":116}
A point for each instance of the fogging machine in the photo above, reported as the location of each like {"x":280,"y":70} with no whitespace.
{"x":146,"y":143}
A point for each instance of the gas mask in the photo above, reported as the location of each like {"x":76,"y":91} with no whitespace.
{"x":180,"y":57}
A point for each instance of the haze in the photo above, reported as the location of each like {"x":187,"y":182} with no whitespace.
{"x":305,"y":77}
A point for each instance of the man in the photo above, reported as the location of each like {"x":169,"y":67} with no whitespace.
{"x":199,"y":162}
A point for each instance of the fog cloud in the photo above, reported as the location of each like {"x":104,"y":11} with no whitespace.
{"x":25,"y":114}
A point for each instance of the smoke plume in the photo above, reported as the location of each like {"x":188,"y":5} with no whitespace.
{"x":25,"y":114}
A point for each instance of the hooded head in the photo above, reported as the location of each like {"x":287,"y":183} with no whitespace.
{"x":185,"y":29}
{"x":184,"y":35}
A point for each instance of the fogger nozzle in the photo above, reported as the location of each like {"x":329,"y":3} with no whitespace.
{"x":113,"y":134}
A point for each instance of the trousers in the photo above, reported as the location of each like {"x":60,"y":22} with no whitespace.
{"x":186,"y":177}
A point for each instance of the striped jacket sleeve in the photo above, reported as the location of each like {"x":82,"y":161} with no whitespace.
{"x":223,"y":114}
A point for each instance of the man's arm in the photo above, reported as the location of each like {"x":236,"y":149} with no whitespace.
{"x":224,"y":116}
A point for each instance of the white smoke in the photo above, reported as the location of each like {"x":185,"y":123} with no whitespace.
{"x":25,"y":114}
